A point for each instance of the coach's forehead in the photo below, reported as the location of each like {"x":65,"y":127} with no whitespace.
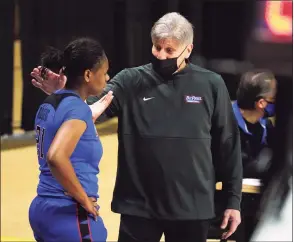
{"x":167,"y":42}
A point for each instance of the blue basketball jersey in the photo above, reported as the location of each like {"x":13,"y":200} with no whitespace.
{"x":59,"y":107}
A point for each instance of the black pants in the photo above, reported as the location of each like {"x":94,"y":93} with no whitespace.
{"x":138,"y":229}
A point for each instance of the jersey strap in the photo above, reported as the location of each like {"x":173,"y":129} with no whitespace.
{"x":55,"y":99}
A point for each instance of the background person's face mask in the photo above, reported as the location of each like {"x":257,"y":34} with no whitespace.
{"x":269,"y":110}
{"x":166,"y":67}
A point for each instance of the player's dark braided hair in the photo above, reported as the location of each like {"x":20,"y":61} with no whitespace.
{"x":79,"y":55}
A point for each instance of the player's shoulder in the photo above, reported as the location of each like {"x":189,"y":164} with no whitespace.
{"x":74,"y":100}
{"x":60,"y":103}
{"x":74,"y":108}
{"x":73,"y":103}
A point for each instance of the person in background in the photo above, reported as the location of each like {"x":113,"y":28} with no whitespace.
{"x":254,"y":107}
{"x":276,"y":208}
{"x":69,"y":149}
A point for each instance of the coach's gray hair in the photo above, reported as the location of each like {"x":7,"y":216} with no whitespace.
{"x":174,"y":26}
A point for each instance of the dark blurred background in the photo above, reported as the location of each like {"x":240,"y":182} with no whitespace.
{"x":230,"y":38}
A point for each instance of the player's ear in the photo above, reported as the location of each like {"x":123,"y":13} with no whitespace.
{"x":87,"y":75}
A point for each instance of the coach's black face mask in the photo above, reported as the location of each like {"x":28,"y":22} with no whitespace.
{"x":166,"y":67}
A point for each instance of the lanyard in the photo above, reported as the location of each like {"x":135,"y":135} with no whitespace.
{"x":243,"y":125}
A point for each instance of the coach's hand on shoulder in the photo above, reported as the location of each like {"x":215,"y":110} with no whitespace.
{"x":232,"y":218}
{"x":99,"y":107}
{"x":46,"y":80}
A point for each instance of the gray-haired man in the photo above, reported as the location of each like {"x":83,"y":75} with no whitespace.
{"x":175,"y":129}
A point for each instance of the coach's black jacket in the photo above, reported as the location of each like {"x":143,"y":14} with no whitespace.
{"x":173,"y":137}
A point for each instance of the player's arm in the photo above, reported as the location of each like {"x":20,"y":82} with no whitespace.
{"x":59,"y":154}
{"x":226,"y":142}
{"x":58,"y":158}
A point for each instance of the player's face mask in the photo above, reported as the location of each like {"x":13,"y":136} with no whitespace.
{"x":166,"y":67}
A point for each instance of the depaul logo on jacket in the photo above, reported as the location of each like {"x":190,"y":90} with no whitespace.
{"x":193,"y":99}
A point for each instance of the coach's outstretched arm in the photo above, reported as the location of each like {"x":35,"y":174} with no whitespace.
{"x":226,"y":150}
{"x":117,"y":86}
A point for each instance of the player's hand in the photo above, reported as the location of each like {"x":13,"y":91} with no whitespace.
{"x":46,"y":80}
{"x":91,"y":207}
{"x":99,"y":107}
{"x":232,"y":218}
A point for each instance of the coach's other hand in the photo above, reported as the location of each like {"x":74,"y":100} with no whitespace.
{"x":232,"y":218}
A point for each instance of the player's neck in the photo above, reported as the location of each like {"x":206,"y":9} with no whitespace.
{"x":80,"y":91}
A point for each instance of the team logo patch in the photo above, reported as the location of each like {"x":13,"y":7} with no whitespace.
{"x":193,"y":99}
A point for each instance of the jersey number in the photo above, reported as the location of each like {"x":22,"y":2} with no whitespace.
{"x":40,"y":141}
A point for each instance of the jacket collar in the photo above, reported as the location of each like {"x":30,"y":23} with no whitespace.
{"x":242,"y":123}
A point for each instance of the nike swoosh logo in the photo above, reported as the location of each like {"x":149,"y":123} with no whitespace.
{"x":146,"y":99}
